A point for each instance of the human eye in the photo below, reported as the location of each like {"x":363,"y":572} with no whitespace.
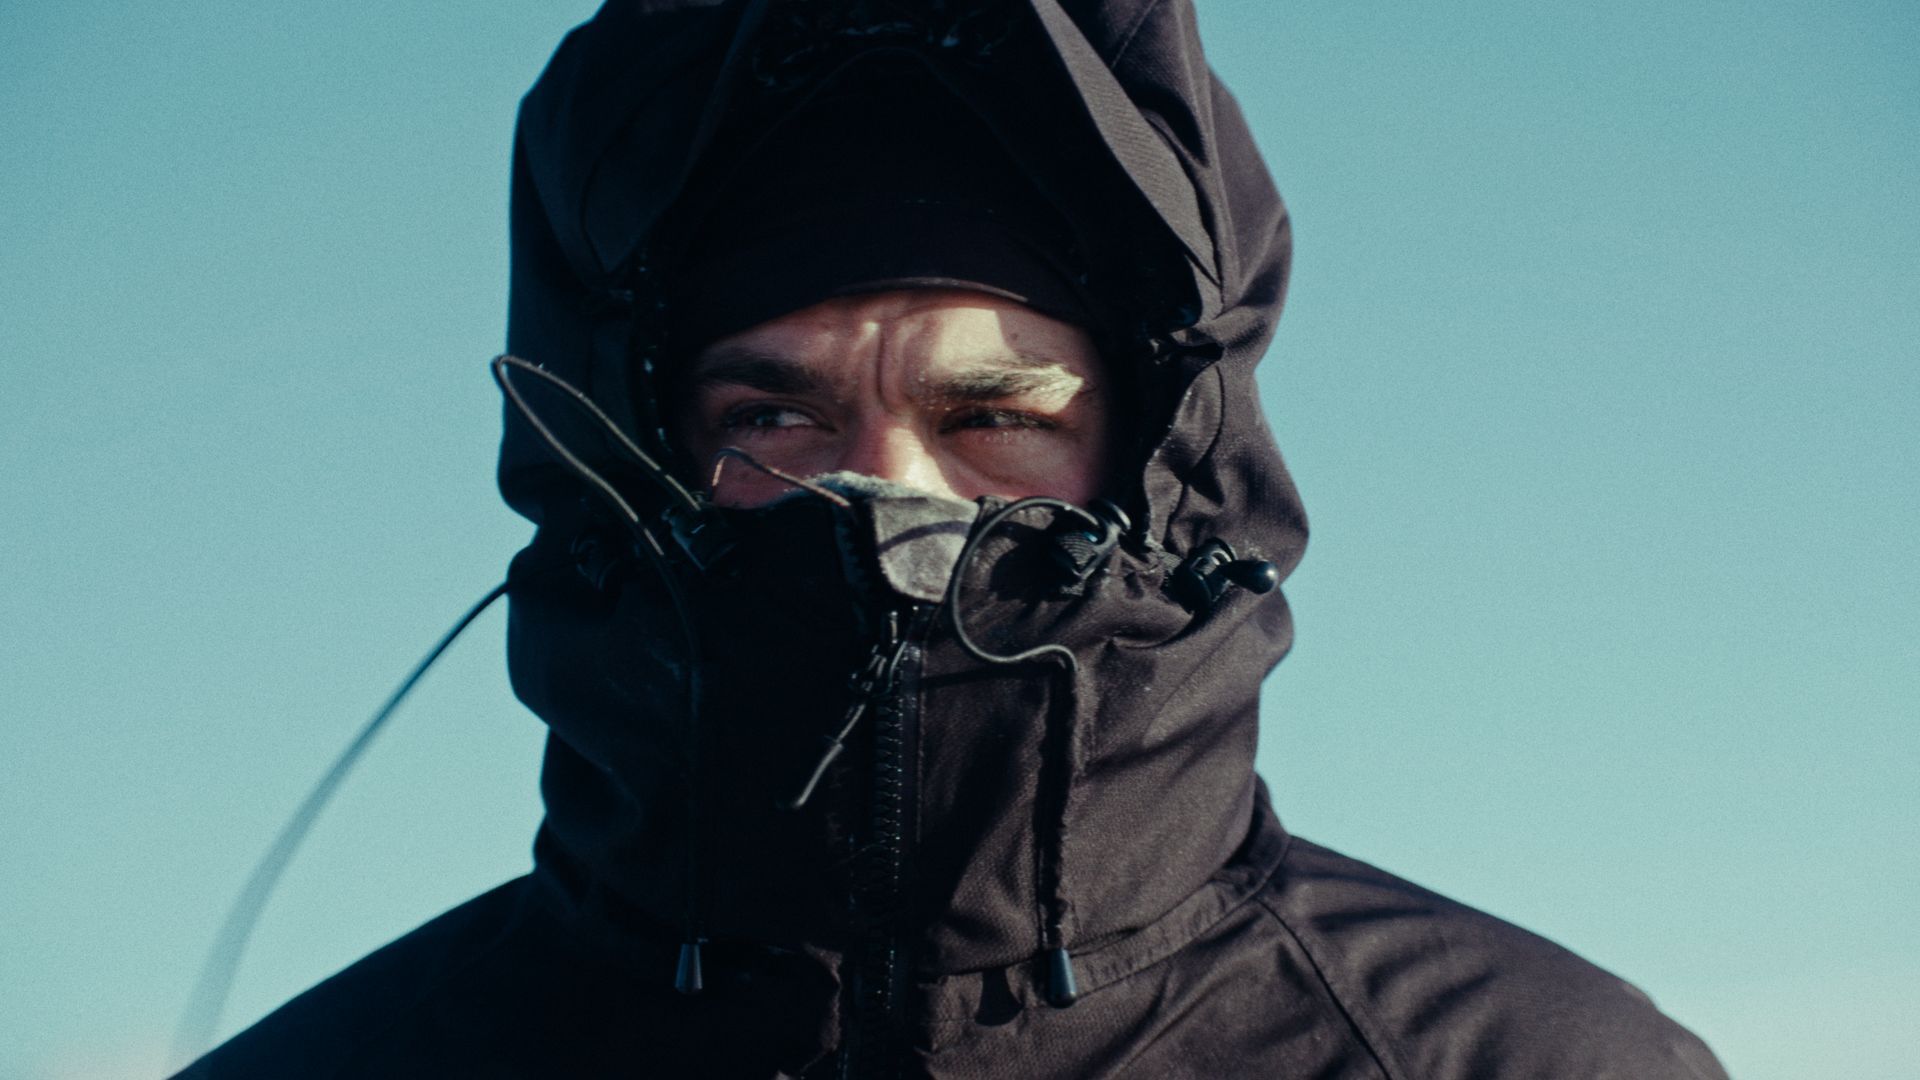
{"x":998,"y":419}
{"x":765,"y":416}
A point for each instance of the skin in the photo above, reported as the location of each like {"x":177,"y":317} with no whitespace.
{"x":953,"y":392}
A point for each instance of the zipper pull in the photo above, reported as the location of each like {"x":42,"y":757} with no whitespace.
{"x":869,"y":683}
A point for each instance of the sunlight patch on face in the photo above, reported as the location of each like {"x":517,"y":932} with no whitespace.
{"x":1038,"y":384}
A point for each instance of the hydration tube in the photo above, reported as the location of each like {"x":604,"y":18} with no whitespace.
{"x":202,"y":1016}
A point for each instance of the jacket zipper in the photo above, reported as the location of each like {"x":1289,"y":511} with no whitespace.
{"x":873,"y":1043}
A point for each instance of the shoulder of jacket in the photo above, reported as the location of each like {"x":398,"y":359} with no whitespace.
{"x":361,"y":1021}
{"x":1439,"y":989}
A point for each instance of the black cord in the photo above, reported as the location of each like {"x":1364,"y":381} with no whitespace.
{"x":1062,"y":988}
{"x":731,"y":453}
{"x":687,"y":977}
{"x":954,"y":616}
{"x":209,"y":998}
{"x":654,"y":470}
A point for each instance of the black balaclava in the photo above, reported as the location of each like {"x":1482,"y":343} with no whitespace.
{"x":883,"y":179}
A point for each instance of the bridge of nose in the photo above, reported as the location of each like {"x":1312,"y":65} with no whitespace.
{"x":893,"y":448}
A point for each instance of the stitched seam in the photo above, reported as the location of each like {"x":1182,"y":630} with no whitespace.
{"x":1172,"y":940}
{"x":1197,"y":925}
{"x":1213,"y":444}
{"x":1133,"y":31}
{"x":1375,"y":1048}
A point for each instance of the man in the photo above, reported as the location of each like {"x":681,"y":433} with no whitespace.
{"x":900,"y":615}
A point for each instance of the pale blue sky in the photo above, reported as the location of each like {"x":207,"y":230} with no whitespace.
{"x":1600,"y":376}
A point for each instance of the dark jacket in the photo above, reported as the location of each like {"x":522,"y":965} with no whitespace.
{"x":1042,"y":852}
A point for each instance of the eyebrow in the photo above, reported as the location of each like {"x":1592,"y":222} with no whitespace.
{"x":1000,"y":376}
{"x":769,"y":373}
{"x":996,"y":383}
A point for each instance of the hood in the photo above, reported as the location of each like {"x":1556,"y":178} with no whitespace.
{"x":1063,"y":800}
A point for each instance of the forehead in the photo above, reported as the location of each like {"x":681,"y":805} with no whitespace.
{"x":936,"y":327}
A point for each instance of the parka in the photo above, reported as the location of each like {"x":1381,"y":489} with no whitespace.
{"x":870,"y":783}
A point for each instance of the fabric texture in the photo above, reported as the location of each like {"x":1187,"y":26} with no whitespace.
{"x":880,"y":180}
{"x":1058,"y":866}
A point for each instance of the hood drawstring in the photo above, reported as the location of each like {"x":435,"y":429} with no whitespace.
{"x":687,"y":522}
{"x":1062,"y":988}
{"x":1079,"y":552}
{"x":688,"y":974}
{"x":703,"y":540}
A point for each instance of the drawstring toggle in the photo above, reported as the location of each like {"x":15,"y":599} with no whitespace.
{"x":1079,"y":548}
{"x":1062,"y":989}
{"x":687,"y":975}
{"x":1199,"y":582}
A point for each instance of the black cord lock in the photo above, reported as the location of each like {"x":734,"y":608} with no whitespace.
{"x":599,"y":560}
{"x":703,"y":536}
{"x":1199,"y":582}
{"x":1079,"y":547}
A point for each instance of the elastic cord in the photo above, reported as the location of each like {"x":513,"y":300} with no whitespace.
{"x":1060,"y":740}
{"x":653,"y":469}
{"x":1062,"y":989}
{"x":734,"y":453}
{"x":687,"y":975}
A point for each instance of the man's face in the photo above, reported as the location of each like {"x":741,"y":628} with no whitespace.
{"x":953,"y":392}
